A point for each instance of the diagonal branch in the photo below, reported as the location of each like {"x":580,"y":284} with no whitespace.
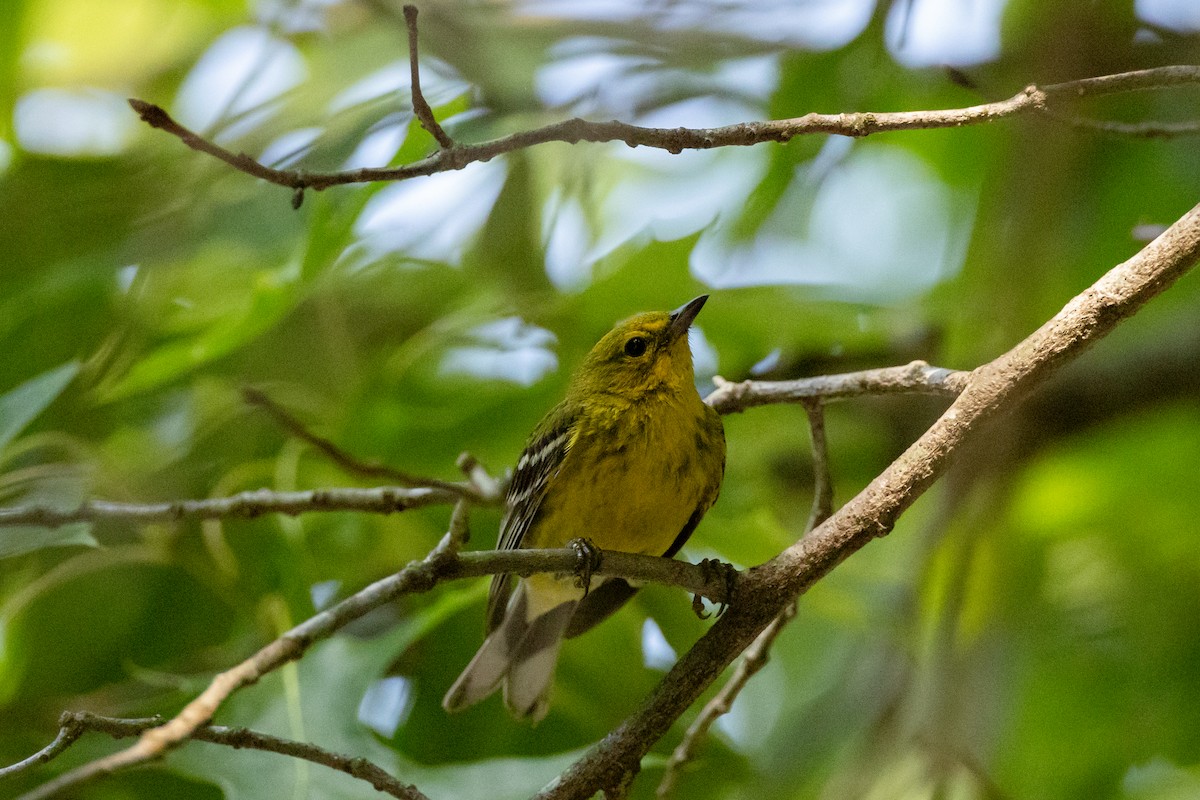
{"x":350,"y":463}
{"x":452,"y":155}
{"x":757,"y":654}
{"x":993,"y":389}
{"x":72,"y":725}
{"x":442,"y":564}
{"x":67,"y":735}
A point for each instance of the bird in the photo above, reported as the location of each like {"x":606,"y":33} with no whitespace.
{"x":630,"y":460}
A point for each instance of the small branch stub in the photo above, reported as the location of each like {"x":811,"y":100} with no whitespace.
{"x":420,"y":106}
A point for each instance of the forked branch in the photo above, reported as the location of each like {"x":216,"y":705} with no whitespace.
{"x":765,"y":591}
{"x":452,"y":155}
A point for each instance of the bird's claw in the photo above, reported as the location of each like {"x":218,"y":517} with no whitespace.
{"x":716,"y":570}
{"x":587,"y":561}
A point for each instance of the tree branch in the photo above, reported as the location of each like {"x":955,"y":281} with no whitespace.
{"x":354,"y":465}
{"x":442,"y":564}
{"x":765,"y":591}
{"x":244,"y":505}
{"x":453,"y":156}
{"x":420,"y":105}
{"x":822,"y":505}
{"x":915,"y":378}
{"x":757,"y":654}
{"x":72,"y":725}
{"x":67,"y":734}
{"x":1142,"y":130}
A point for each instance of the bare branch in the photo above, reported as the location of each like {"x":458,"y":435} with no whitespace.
{"x":758,"y":652}
{"x":67,"y":734}
{"x":754,"y":659}
{"x":915,"y":378}
{"x":156,"y":117}
{"x":442,"y":564}
{"x":822,"y":506}
{"x":460,"y":530}
{"x":420,"y":105}
{"x":485,"y":485}
{"x":1143,"y":130}
{"x":765,"y":591}
{"x":245,"y":505}
{"x":352,"y":464}
{"x":74,"y":724}
{"x":452,"y":156}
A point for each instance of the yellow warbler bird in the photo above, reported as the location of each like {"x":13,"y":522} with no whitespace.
{"x":630,"y":460}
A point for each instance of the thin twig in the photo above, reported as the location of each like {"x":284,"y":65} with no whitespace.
{"x":73,"y":724}
{"x":1031,"y":100}
{"x":420,"y":105}
{"x":1142,"y":130}
{"x":1136,"y":130}
{"x":244,"y":505}
{"x":754,"y":659}
{"x":67,"y":734}
{"x":757,"y":654}
{"x":483,"y":481}
{"x":915,"y":378}
{"x":459,"y":532}
{"x":822,"y":505}
{"x":350,"y":463}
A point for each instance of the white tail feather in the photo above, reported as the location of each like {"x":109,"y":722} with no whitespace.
{"x":530,"y":676}
{"x":521,"y":654}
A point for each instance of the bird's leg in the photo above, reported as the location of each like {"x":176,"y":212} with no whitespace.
{"x":587,"y":561}
{"x":716,"y":570}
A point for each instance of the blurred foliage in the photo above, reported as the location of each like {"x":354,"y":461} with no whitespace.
{"x":1032,"y":628}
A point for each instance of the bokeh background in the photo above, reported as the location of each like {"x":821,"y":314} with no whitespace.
{"x":1030,"y":630}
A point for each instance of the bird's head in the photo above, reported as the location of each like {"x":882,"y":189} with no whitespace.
{"x":645,"y":353}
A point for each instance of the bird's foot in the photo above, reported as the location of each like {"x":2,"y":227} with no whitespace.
{"x":716,"y":570}
{"x":587,"y":561}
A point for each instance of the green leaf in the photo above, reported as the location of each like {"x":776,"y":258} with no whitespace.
{"x":270,"y":297}
{"x":19,"y":406}
{"x":63,"y":489}
{"x":26,"y":538}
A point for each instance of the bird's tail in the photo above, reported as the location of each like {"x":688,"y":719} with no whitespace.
{"x":521,"y":653}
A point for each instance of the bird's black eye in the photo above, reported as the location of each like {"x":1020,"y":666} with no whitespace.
{"x":635,"y":347}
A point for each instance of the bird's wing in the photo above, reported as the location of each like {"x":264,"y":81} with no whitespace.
{"x":542,"y":457}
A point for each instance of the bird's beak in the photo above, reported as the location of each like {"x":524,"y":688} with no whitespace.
{"x":681,"y":318}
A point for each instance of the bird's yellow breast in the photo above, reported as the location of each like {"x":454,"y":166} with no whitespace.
{"x":633,"y":476}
